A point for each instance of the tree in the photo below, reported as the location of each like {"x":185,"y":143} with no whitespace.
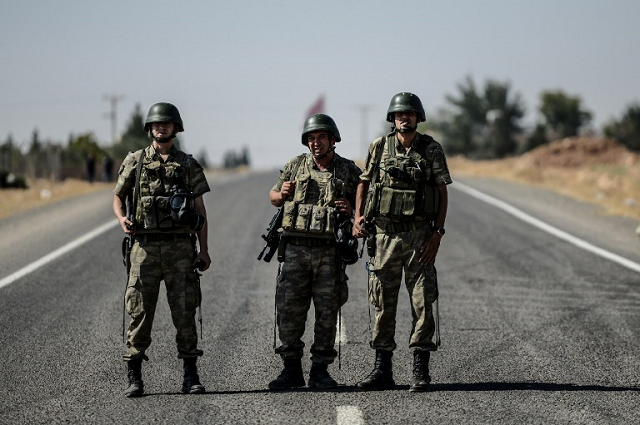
{"x":627,"y":130}
{"x":134,"y":137}
{"x":503,"y":114}
{"x":563,"y":114}
{"x":482,"y":124}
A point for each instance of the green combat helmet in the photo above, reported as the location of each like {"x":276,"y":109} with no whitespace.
{"x":163,"y":112}
{"x":319,"y":122}
{"x":405,"y":102}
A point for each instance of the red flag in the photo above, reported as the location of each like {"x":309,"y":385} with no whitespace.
{"x":317,"y":107}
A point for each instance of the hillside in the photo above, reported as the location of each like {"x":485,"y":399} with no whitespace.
{"x":595,"y":170}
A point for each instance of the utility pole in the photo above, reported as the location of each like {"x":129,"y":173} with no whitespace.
{"x":364,"y":129}
{"x":112,"y":115}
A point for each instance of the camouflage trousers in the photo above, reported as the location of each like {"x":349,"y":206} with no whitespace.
{"x":397,"y":253}
{"x":309,"y":274}
{"x":151,"y":263}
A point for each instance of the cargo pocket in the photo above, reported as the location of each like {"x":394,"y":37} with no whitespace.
{"x":193,"y":294}
{"x":133,"y":301}
{"x":375,"y":289}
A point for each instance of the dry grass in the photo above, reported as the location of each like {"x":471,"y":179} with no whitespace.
{"x":614,"y":186}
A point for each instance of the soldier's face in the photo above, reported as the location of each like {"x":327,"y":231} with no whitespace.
{"x":406,"y":120}
{"x":162,"y":130}
{"x":320,"y":143}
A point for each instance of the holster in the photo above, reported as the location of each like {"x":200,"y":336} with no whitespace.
{"x":127,"y":243}
{"x":282,"y":246}
{"x":371,"y":245}
{"x":371,"y":239}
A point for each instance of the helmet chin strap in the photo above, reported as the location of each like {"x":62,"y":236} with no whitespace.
{"x":406,"y":129}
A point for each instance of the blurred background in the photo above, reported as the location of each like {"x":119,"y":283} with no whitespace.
{"x":497,"y":78}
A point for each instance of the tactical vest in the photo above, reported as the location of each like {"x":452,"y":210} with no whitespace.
{"x":158,"y":181}
{"x":310,"y":211}
{"x":406,"y":190}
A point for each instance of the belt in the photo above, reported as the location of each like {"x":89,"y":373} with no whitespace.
{"x":401,"y":227}
{"x":162,"y":237}
{"x":309,"y":241}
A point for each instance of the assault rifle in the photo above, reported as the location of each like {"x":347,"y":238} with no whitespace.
{"x":272,"y":237}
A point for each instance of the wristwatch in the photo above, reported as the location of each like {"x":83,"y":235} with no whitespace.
{"x":438,"y":230}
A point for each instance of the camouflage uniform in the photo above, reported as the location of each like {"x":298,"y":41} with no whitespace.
{"x":161,"y":254}
{"x":311,"y":265}
{"x":397,"y":249}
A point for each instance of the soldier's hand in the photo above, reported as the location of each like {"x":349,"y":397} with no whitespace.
{"x":127,"y":225}
{"x":358,"y":228}
{"x":287,"y":189}
{"x":202,"y":261}
{"x":429,"y":249}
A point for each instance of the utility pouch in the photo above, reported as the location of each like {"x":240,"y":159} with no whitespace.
{"x":396,"y":168}
{"x":304,"y":216}
{"x":373,"y":198}
{"x":147,"y":213}
{"x":300,"y":193}
{"x":318,"y":219}
{"x":289,"y":215}
{"x":163,"y":209}
{"x":430,"y":201}
{"x":397,"y":203}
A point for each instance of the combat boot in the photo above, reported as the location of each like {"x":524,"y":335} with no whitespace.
{"x":381,"y":377}
{"x":290,"y":377}
{"x":421,"y":379}
{"x":136,"y":386}
{"x":319,"y":377}
{"x":191,"y":383}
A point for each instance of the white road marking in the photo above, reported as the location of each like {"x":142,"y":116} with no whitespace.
{"x":580,"y":243}
{"x":349,"y":415}
{"x":57,"y":253}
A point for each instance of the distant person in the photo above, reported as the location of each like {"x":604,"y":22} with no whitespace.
{"x":401,"y":204}
{"x":91,"y":168}
{"x":167,"y":188}
{"x":313,"y":188}
{"x":107,"y":169}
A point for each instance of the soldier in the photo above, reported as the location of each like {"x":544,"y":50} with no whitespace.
{"x":168,"y":217}
{"x":401,"y":203}
{"x":315,"y":189}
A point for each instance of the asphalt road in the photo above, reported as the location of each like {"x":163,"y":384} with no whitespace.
{"x":535,"y":330}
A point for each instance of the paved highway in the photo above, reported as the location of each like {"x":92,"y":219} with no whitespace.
{"x":535,"y":329}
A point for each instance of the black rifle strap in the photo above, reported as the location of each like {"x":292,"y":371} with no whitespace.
{"x":136,"y":191}
{"x":376,"y":164}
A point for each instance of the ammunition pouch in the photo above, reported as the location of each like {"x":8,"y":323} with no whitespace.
{"x":310,"y":218}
